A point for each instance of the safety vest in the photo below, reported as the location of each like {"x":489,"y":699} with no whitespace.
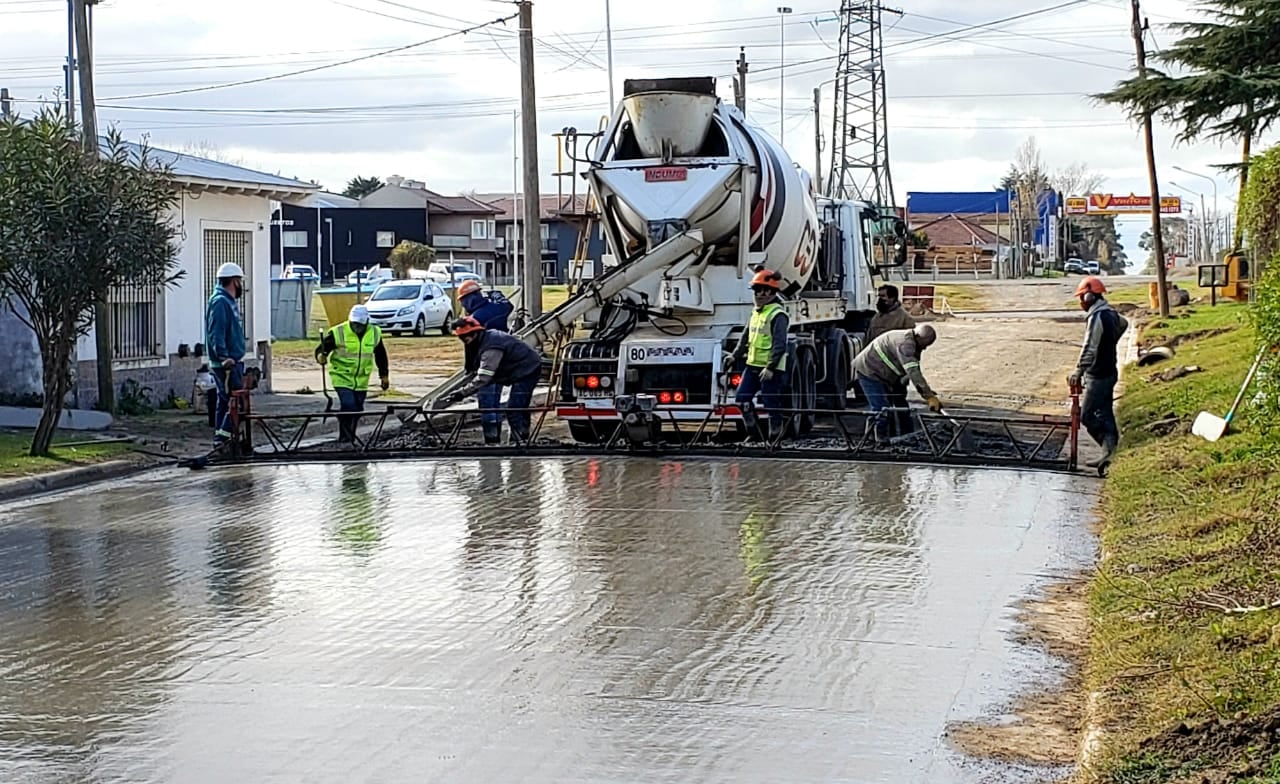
{"x":351,"y":362}
{"x":760,"y":337}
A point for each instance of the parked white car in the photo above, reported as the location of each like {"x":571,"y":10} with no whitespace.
{"x":399,"y":306}
{"x":444,"y":273}
{"x":370,"y":277}
{"x":302,"y":271}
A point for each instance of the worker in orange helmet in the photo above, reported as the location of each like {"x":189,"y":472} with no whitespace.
{"x":494,"y":360}
{"x":1098,"y":368}
{"x":764,"y":346}
{"x":491,"y":310}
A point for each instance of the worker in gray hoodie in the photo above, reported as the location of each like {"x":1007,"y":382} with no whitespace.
{"x":1099,"y":368}
{"x":883,"y":369}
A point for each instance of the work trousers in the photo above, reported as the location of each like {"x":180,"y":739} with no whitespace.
{"x":350,"y":401}
{"x":520,"y":397}
{"x":1097,"y":410}
{"x":881,"y":397}
{"x":491,"y":421}
{"x":770,"y":397}
{"x":228,"y":380}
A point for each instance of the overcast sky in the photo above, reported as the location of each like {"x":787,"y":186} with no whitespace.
{"x":959,"y":105}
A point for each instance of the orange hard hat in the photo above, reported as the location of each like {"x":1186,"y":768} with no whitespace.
{"x":468,"y":286}
{"x":466,"y":326}
{"x":767,"y":278}
{"x":1091,"y":285}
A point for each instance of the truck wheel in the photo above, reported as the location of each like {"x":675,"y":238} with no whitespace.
{"x":833,"y":393}
{"x":809,"y":391}
{"x":586,"y":433}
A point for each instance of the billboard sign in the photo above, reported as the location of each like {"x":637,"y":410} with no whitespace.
{"x":1111,"y":204}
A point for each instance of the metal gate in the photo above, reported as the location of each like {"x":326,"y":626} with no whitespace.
{"x":228,"y":245}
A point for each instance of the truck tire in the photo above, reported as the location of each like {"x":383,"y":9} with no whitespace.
{"x":804,"y":391}
{"x":833,"y":393}
{"x":587,"y":432}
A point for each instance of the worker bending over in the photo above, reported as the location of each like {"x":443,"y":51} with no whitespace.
{"x":890,"y":314}
{"x":883,"y":369}
{"x":764,"y":346}
{"x":1098,"y":368}
{"x":224,"y":337}
{"x":351,"y":350}
{"x":494,"y":360}
{"x":492,"y":310}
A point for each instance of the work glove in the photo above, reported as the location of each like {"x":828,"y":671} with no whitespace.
{"x":935,"y":405}
{"x":1074,"y":379}
{"x":444,"y":401}
{"x":228,"y":363}
{"x":726,"y":361}
{"x":386,"y":383}
{"x":767,"y":374}
{"x":323,"y":359}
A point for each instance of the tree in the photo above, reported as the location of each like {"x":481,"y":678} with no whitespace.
{"x":204,"y":148}
{"x":1260,"y":215}
{"x":409,"y":255}
{"x":1076,"y":179}
{"x":359,"y":187}
{"x":72,"y":227}
{"x":1174,"y":231}
{"x":1230,"y":88}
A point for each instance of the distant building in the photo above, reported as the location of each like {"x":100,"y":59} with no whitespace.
{"x":559,"y":228}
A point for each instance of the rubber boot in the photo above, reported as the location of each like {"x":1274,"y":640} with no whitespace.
{"x":492,"y":433}
{"x":519,"y":436}
{"x":1108,"y":451}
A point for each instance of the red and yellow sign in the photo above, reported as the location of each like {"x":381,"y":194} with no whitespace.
{"x":1111,"y":204}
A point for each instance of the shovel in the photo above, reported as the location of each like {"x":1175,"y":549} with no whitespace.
{"x":1210,"y":427}
{"x":965,"y":441}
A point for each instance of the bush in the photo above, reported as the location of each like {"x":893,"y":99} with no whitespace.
{"x":1260,"y":217}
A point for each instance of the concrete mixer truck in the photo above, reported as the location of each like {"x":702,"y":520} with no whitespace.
{"x":693,"y":199}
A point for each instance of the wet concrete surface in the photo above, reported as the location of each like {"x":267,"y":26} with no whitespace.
{"x":519,"y":620}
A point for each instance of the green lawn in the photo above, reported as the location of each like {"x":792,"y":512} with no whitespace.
{"x":14,"y":460}
{"x":1191,"y":530}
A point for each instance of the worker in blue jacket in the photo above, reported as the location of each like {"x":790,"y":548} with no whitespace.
{"x":491,"y":310}
{"x":224,"y":338}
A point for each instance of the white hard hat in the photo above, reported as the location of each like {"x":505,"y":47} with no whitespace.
{"x":359,"y":315}
{"x":230,"y":270}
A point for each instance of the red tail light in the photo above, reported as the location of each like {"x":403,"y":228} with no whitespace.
{"x":678,"y":397}
{"x":593,"y":382}
{"x":736,"y":379}
{"x":664,"y":398}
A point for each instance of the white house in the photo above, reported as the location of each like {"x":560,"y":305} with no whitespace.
{"x":223,"y":214}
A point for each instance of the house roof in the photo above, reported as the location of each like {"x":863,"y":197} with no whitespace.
{"x":551,"y":207}
{"x":331,"y":201}
{"x":441,"y":204}
{"x":204,"y":174}
{"x":954,"y":230}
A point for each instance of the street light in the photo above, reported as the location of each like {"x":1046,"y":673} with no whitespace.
{"x":1206,"y":239}
{"x":1212,"y":182}
{"x":783,"y":10}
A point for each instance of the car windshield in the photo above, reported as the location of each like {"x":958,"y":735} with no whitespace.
{"x":397,"y":292}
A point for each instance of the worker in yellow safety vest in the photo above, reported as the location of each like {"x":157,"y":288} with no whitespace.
{"x":764,"y":346}
{"x":351,"y":350}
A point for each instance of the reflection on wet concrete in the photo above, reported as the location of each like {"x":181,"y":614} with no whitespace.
{"x":519,"y":620}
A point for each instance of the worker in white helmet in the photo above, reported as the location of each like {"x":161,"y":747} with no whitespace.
{"x":351,"y":350}
{"x":225,"y":343}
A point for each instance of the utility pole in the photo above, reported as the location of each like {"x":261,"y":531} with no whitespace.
{"x":817,"y":140}
{"x":89,"y":137}
{"x":70,"y":67}
{"x":783,"y":10}
{"x":608,"y":42}
{"x":740,"y":82}
{"x":6,"y":110}
{"x":532,"y":190}
{"x":1157,"y":236}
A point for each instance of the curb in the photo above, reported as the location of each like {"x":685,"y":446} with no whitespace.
{"x":68,"y":478}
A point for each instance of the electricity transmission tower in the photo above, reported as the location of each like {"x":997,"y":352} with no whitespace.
{"x":860,"y":128}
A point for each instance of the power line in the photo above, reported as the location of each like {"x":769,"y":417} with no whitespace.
{"x":313,"y":69}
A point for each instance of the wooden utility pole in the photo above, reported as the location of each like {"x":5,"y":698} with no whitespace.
{"x":1157,"y":235}
{"x":89,"y":137}
{"x":532,"y":189}
{"x":740,"y":82}
{"x":817,"y":140}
